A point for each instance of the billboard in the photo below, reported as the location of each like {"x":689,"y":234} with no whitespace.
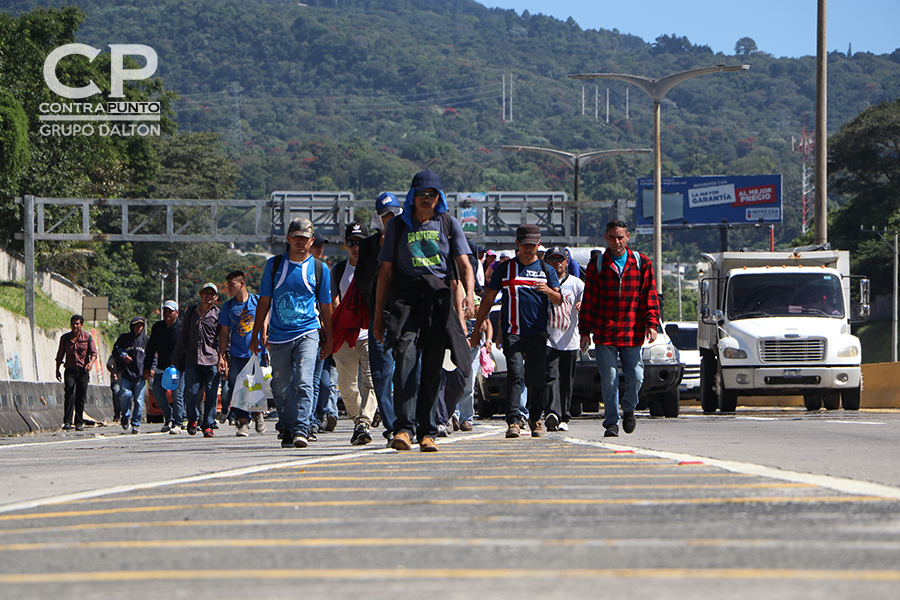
{"x":712,"y":200}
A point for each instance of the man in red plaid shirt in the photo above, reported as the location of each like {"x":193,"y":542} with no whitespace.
{"x":621,"y":309}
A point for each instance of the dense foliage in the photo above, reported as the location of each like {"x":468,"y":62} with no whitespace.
{"x":359,"y":94}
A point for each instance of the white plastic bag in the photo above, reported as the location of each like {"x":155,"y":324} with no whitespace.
{"x":248,"y":388}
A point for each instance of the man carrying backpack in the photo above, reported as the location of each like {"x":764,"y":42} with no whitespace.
{"x":296,"y":289}
{"x":529,"y":287}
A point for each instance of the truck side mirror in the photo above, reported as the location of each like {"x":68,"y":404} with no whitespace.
{"x":719,"y":317}
{"x":864,"y":298}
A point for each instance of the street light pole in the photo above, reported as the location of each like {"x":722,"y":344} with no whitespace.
{"x":575,"y":161}
{"x":657,"y":89}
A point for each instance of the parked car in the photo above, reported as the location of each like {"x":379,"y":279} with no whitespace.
{"x":659,"y":392}
{"x":684,"y":335}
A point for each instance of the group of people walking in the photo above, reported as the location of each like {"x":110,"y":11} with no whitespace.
{"x":400,"y":323}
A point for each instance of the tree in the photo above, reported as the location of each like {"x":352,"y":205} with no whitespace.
{"x":745,"y":47}
{"x":864,"y":166}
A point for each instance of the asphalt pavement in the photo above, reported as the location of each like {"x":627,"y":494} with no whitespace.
{"x":779,"y":503}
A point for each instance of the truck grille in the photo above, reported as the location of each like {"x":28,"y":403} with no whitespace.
{"x":811,"y":350}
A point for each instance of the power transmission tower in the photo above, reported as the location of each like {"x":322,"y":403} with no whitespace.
{"x":806,"y":148}
{"x":234,"y":90}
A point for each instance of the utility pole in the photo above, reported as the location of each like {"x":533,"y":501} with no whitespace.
{"x":821,"y":205}
{"x":503,"y":79}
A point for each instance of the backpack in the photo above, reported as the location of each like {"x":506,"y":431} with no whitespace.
{"x":637,"y":258}
{"x":318,"y":264}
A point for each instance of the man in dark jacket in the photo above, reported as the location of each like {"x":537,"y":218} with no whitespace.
{"x":197,"y":356}
{"x":163,"y":337}
{"x":129,"y":352}
{"x":416,"y":261}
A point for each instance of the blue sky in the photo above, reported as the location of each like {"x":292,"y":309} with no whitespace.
{"x":779,"y":27}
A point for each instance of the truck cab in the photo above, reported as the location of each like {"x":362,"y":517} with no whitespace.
{"x":778,"y":323}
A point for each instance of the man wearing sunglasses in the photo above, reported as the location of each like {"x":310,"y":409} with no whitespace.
{"x":352,"y":357}
{"x":417,"y":257}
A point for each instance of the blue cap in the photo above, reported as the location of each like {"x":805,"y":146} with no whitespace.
{"x":425,"y":180}
{"x":386,"y":202}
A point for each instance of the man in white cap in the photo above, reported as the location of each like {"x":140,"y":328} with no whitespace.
{"x":197,"y":356}
{"x":161,"y":345}
{"x":296,"y":290}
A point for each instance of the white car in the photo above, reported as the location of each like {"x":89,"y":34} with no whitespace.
{"x":684,"y":335}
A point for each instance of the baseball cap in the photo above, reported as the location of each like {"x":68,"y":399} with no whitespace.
{"x":556,"y":251}
{"x":424,"y":180}
{"x":209,"y":285}
{"x":506,"y":254}
{"x":319,"y":240}
{"x":301,"y":227}
{"x":171,"y":305}
{"x":138,"y":320}
{"x":387,"y":202}
{"x":528,"y":234}
{"x":356,"y":231}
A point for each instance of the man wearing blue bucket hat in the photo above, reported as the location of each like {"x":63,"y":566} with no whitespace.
{"x":161,"y":346}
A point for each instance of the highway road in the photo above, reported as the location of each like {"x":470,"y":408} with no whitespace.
{"x":764,"y":503}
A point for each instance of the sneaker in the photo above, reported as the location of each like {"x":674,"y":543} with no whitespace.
{"x":552,"y":422}
{"x":300,"y":441}
{"x":135,"y":430}
{"x":361,"y":435}
{"x":611,"y":431}
{"x":628,"y":422}
{"x":513,"y":431}
{"x":79,"y":428}
{"x":259,"y":423}
{"x":454,"y":420}
{"x":243,"y":428}
{"x":125,"y":423}
{"x":220,"y":417}
{"x":166,"y":427}
{"x":287,"y":441}
{"x":427,"y":445}
{"x":208,"y":432}
{"x":563,"y":426}
{"x":376,"y":420}
{"x":280,"y":435}
{"x":537,"y":428}
{"x":466,"y":426}
{"x":401,"y":441}
{"x":174,"y":430}
{"x":67,"y":427}
{"x":192,"y":427}
{"x":444,"y":429}
{"x":330,"y":423}
{"x":311,"y":436}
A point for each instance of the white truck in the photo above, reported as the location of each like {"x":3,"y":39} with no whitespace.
{"x":778,"y":323}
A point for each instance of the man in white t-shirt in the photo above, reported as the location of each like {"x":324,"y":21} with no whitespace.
{"x":563,"y":342}
{"x":353,"y":363}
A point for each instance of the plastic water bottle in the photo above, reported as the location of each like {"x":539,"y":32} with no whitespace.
{"x":170,"y":378}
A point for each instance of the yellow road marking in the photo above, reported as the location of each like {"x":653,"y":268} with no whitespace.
{"x":362,"y":490}
{"x":454,"y":574}
{"x":443,"y":502}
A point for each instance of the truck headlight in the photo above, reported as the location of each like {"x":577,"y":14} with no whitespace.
{"x":848,"y":352}
{"x":734,"y":353}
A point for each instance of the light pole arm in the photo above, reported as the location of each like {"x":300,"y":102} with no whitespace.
{"x":658,"y":88}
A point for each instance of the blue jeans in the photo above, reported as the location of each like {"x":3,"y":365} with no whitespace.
{"x":173,"y":412}
{"x":381,"y":366}
{"x":197,"y":379}
{"x":632,"y":370}
{"x":325,"y":389}
{"x":293,"y":366}
{"x":131,"y":395}
{"x":465,"y":408}
{"x":236,"y":364}
{"x":519,"y":350}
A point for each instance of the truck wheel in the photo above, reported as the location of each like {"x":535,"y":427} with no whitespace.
{"x":655,"y":404}
{"x":728,"y":401}
{"x":575,"y":409}
{"x":850,"y":399}
{"x":671,"y":402}
{"x":709,"y":400}
{"x":832,"y":400}
{"x":812,"y":401}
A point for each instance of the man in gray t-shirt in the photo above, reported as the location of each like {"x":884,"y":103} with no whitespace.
{"x":422,"y":241}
